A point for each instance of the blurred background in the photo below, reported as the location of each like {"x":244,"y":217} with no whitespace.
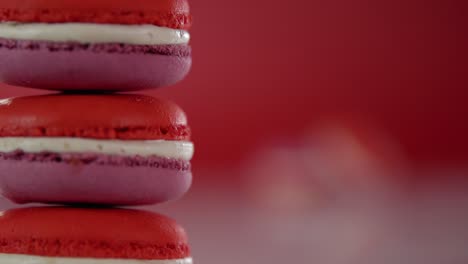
{"x":327,"y":131}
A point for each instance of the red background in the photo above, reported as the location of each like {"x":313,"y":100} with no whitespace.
{"x":266,"y":69}
{"x":270,"y":71}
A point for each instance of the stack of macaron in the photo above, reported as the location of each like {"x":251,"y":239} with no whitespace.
{"x":90,"y":150}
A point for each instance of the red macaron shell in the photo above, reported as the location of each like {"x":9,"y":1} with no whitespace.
{"x":91,"y":233}
{"x":126,"y":117}
{"x":166,"y":13}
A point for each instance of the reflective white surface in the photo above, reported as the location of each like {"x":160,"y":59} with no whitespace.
{"x":94,"y":33}
{"x":23,"y":259}
{"x":164,"y":148}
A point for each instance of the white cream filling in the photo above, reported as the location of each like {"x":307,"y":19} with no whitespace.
{"x":27,"y":259}
{"x":170,"y":149}
{"x":94,"y":33}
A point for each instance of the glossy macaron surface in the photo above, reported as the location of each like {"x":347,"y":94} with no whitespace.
{"x":91,"y":233}
{"x":97,"y":45}
{"x":167,"y":13}
{"x":93,"y":116}
{"x":94,"y":149}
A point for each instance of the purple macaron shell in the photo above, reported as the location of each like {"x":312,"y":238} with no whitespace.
{"x":97,"y":67}
{"x":92,"y":179}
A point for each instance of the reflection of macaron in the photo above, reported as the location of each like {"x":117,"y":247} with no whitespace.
{"x":107,"y":149}
{"x":90,"y":236}
{"x":94,"y":45}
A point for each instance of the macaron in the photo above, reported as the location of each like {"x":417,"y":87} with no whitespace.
{"x":90,"y":236}
{"x":94,"y":149}
{"x":118,"y":45}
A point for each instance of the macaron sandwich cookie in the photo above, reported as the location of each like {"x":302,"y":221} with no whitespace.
{"x":94,"y":149}
{"x":86,"y":147}
{"x":60,"y":235}
{"x":99,"y":45}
